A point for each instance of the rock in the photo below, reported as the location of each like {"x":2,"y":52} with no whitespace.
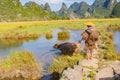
{"x":73,"y":74}
{"x":105,"y":74}
{"x":116,"y":67}
{"x":93,"y":63}
{"x":55,"y":76}
{"x":68,"y":48}
{"x":117,"y":76}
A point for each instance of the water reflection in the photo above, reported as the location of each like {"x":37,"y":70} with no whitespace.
{"x":117,"y":40}
{"x":6,"y":43}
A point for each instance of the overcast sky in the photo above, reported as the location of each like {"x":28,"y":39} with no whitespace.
{"x":56,"y":4}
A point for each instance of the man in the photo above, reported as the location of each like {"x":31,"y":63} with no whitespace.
{"x":90,"y":36}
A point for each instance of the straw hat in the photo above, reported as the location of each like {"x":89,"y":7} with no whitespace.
{"x":90,"y":24}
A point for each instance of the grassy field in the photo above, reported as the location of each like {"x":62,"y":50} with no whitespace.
{"x":35,"y":28}
{"x":41,"y":26}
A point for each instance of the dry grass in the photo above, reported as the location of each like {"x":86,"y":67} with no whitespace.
{"x":19,"y":64}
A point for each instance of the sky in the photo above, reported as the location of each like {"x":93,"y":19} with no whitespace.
{"x":55,"y":5}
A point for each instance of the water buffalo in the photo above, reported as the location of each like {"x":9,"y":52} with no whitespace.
{"x":68,"y":48}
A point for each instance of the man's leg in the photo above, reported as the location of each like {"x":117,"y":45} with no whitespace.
{"x":88,"y":54}
{"x":91,"y":53}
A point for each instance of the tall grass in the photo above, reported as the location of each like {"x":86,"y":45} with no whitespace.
{"x":63,"y":35}
{"x":20,"y":63}
{"x":62,"y":62}
{"x":49,"y":35}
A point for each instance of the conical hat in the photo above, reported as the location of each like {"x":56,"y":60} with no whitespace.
{"x":90,"y":24}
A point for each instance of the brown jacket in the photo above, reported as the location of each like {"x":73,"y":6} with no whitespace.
{"x":90,"y":36}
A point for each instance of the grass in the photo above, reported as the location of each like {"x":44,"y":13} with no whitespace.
{"x":63,"y":35}
{"x":39,"y":27}
{"x":49,"y":35}
{"x":62,"y":62}
{"x":23,"y":63}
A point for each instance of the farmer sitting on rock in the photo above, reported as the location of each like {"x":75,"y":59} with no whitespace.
{"x":90,"y":36}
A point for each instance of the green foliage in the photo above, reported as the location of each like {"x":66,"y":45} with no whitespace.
{"x":92,"y":74}
{"x":101,"y":13}
{"x":116,"y":10}
{"x":54,"y":16}
{"x":34,"y":11}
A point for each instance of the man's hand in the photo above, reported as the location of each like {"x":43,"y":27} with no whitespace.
{"x":80,"y":40}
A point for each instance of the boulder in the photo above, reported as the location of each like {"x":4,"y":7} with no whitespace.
{"x":93,"y":63}
{"x":72,"y":74}
{"x":105,"y":74}
{"x":68,"y":48}
{"x":116,"y":67}
{"x":55,"y":76}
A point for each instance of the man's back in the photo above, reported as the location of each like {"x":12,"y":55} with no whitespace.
{"x":91,"y":34}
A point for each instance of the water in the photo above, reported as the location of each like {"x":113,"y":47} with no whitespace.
{"x":42,"y":48}
{"x":117,"y":40}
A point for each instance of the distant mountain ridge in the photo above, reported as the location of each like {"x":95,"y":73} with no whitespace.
{"x":13,"y":10}
{"x":99,"y":9}
{"x":116,"y":11}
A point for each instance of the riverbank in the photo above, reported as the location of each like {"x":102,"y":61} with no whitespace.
{"x":20,"y":66}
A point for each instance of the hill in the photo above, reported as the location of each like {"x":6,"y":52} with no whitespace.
{"x":99,"y":9}
{"x":116,"y":11}
{"x":13,"y":10}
